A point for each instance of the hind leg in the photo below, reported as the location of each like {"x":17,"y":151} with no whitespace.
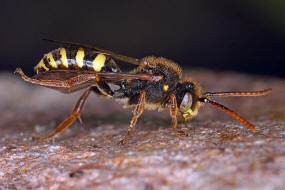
{"x":75,"y":114}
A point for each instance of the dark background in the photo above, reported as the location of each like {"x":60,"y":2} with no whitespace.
{"x":246,"y":36}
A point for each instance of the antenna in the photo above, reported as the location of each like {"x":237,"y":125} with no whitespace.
{"x":229,"y":111}
{"x":241,"y":93}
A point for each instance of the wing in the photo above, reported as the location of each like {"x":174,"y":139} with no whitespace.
{"x":70,"y":81}
{"x":114,"y":55}
{"x":109,"y":77}
{"x":60,"y":75}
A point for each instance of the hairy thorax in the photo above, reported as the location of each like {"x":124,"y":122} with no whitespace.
{"x":157,"y":92}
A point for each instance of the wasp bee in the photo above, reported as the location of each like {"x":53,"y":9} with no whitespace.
{"x":156,"y":83}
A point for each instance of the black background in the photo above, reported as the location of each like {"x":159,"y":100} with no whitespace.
{"x":246,"y":36}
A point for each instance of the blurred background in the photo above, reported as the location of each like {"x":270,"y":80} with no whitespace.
{"x":243,"y":36}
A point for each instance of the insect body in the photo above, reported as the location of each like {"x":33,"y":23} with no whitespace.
{"x":76,"y":59}
{"x":156,"y":83}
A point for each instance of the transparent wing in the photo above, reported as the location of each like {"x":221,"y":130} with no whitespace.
{"x":114,"y":55}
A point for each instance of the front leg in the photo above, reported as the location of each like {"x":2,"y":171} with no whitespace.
{"x":173,"y":114}
{"x":137,"y":112}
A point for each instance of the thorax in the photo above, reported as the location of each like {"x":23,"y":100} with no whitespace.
{"x":156,"y":92}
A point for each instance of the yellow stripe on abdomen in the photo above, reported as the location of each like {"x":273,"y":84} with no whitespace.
{"x":41,"y":65}
{"x":99,"y":62}
{"x":80,"y":57}
{"x":63,"y":57}
{"x":51,"y":60}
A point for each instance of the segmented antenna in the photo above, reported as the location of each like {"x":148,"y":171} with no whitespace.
{"x":241,"y":93}
{"x":230,"y":112}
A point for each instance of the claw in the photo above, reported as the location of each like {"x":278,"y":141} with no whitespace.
{"x":80,"y":120}
{"x":124,"y":139}
{"x":181,"y":133}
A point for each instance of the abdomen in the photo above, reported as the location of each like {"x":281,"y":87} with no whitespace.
{"x":72,"y":59}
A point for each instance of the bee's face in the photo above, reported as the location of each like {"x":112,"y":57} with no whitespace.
{"x":188,"y":99}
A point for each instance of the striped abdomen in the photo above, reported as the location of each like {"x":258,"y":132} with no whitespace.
{"x":76,"y":59}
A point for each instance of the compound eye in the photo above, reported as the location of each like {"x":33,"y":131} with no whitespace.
{"x":189,"y":86}
{"x":186,"y":103}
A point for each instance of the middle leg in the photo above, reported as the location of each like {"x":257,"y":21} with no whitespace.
{"x":137,"y":113}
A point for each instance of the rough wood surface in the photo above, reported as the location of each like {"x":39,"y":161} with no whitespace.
{"x":219,"y":152}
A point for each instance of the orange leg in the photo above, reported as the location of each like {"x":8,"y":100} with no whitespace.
{"x":75,"y":114}
{"x":137,"y":112}
{"x":173,"y":114}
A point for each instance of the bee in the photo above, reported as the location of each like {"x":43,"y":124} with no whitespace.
{"x":155,"y":83}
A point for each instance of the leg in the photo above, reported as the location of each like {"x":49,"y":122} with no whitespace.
{"x":173,"y":113}
{"x":97,"y":91}
{"x":104,"y":89}
{"x":184,"y":124}
{"x":75,"y":114}
{"x":137,"y":112}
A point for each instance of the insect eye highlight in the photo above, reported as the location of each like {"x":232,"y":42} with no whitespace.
{"x":114,"y":69}
{"x":189,"y":86}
